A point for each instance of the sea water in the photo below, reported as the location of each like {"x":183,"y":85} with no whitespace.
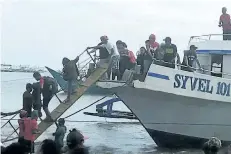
{"x":105,"y":135}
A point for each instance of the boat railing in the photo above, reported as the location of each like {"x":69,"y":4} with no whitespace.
{"x":207,"y":37}
{"x":193,"y":69}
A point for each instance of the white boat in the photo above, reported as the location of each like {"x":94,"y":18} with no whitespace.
{"x":179,"y":108}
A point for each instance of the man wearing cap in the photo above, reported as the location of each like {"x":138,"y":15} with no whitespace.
{"x":170,"y":53}
{"x":225,"y":23}
{"x":190,"y":57}
{"x":106,"y":49}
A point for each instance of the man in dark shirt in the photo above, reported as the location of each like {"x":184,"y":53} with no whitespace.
{"x":190,"y":57}
{"x":37,"y":104}
{"x":70,"y":74}
{"x":28,"y":99}
{"x":49,"y":87}
{"x":170,"y":53}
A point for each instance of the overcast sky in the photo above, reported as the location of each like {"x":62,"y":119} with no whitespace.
{"x":42,"y":32}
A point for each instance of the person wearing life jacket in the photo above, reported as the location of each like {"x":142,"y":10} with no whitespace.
{"x":75,"y":143}
{"x":170,"y":53}
{"x":49,"y":87}
{"x":70,"y":74}
{"x":60,"y":133}
{"x":31,"y":129}
{"x":124,"y":57}
{"x":225,"y":23}
{"x":23,"y":117}
{"x":106,"y":50}
{"x":190,"y":58}
{"x":28,"y":99}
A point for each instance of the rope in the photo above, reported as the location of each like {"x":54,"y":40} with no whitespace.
{"x":9,"y":140}
{"x":87,"y":121}
{"x":10,"y":113}
{"x":85,"y":107}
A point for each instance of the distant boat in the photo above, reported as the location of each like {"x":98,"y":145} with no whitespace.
{"x":20,"y":68}
{"x":6,"y":68}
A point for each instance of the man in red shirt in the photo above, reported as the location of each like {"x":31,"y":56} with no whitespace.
{"x":225,"y":23}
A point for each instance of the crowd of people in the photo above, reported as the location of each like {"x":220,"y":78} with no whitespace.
{"x":120,"y":59}
{"x":44,"y":86}
{"x":28,"y":128}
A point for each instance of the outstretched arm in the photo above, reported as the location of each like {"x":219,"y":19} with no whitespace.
{"x":76,"y":59}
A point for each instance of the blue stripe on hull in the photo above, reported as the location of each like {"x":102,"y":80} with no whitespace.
{"x":156,"y":75}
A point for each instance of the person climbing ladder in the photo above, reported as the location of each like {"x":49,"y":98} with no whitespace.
{"x":49,"y":87}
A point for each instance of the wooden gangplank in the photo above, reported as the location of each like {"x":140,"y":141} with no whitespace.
{"x":62,"y":107}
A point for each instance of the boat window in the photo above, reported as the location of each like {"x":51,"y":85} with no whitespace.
{"x":216,"y":65}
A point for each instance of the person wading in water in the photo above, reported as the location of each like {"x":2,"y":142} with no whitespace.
{"x":49,"y":87}
{"x":60,"y":133}
{"x":70,"y":74}
{"x":28,"y":99}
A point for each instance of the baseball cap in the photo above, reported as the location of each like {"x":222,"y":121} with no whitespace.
{"x":167,"y":38}
{"x":193,"y":47}
{"x":104,"y":37}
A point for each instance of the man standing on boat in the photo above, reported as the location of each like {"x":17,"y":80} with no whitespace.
{"x":49,"y":87}
{"x":106,"y":49}
{"x":225,"y":23}
{"x":190,"y":59}
{"x":170,"y":53}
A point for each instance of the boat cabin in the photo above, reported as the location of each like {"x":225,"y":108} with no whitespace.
{"x":213,"y":54}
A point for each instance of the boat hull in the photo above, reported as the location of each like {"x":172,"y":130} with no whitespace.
{"x":178,"y":121}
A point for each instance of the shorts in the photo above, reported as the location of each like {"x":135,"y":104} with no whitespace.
{"x":28,"y":145}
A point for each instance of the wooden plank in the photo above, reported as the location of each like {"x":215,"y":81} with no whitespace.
{"x":62,"y":107}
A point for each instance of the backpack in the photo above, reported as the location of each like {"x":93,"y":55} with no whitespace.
{"x":53,"y":83}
